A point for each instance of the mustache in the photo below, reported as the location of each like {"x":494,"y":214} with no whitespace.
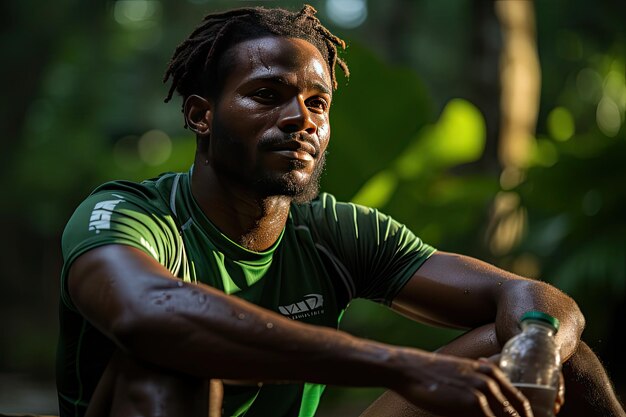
{"x":279,"y":140}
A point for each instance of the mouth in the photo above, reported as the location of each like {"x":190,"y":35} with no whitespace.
{"x":294,"y":149}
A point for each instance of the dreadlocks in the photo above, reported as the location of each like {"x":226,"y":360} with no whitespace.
{"x":193,"y":66}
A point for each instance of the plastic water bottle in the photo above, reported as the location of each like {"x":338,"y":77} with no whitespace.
{"x":532,"y":362}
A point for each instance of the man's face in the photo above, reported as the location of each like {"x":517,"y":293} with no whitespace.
{"x":270,"y":124}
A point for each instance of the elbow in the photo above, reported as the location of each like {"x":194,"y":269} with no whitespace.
{"x":137,"y":327}
{"x":140,"y":327}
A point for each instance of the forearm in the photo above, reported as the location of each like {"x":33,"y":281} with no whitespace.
{"x":459,"y":291}
{"x":515,"y":295}
{"x":201,"y":331}
{"x":204,"y":332}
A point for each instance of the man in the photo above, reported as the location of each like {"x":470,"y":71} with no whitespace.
{"x":230,"y":272}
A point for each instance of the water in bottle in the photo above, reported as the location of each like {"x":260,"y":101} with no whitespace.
{"x":532,"y":362}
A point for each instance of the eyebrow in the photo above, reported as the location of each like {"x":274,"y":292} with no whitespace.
{"x":314,"y":85}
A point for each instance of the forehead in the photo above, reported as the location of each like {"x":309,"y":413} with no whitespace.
{"x":278,"y":57}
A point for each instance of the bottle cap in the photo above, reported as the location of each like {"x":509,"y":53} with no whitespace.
{"x":542,"y":317}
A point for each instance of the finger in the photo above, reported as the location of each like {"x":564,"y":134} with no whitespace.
{"x":511,"y":399}
{"x":483,"y":403}
{"x":498,"y":404}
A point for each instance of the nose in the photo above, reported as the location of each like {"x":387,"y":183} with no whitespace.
{"x":296,"y":117}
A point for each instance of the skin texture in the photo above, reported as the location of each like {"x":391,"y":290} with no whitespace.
{"x":258,"y":163}
{"x":199,"y":331}
{"x":456,"y":291}
{"x":260,"y":145}
{"x":588,"y":387}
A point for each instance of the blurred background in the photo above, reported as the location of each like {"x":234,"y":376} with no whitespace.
{"x":495,"y":129}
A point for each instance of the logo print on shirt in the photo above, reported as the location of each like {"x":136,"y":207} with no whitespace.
{"x":312,"y":305}
{"x":101,"y":215}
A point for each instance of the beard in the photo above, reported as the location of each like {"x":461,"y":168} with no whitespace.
{"x":287,"y":184}
{"x":227,"y":155}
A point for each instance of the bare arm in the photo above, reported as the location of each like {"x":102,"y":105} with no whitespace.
{"x":203,"y":332}
{"x":459,"y":291}
{"x":199,"y":330}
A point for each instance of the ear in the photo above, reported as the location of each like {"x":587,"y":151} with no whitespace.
{"x":198,"y":114}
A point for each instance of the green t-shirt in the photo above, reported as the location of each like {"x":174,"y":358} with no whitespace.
{"x":328,"y":254}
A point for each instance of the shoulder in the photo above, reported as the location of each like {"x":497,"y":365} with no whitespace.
{"x":122,"y":206}
{"x":153,"y":192}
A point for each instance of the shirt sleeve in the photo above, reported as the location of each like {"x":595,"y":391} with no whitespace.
{"x":377,"y":254}
{"x":119,"y":218}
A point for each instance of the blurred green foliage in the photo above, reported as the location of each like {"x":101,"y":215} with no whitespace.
{"x":84,"y":104}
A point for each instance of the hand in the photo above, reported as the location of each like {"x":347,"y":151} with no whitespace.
{"x":451,"y":386}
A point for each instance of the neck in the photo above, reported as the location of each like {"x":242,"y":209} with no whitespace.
{"x":255,"y":222}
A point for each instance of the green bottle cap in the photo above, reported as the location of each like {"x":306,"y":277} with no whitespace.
{"x":543,"y":317}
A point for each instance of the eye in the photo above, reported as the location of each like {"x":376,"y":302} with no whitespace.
{"x":265,"y":95}
{"x":318,"y":104}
